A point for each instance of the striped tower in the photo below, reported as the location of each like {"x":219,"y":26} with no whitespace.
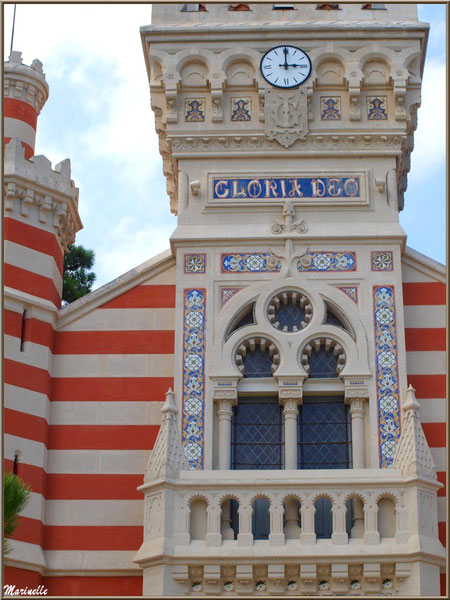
{"x":40,"y":220}
{"x":26,"y":92}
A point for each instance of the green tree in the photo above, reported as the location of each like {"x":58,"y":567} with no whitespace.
{"x":78,"y":277}
{"x":16,"y":495}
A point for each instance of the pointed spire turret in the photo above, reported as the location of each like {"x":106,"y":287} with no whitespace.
{"x":413,"y":454}
{"x":167,"y":458}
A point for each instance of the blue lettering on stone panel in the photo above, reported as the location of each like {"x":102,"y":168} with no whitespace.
{"x":286,"y":188}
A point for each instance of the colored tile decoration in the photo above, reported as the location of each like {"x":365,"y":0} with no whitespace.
{"x":376,"y":108}
{"x":286,"y":188}
{"x":194,"y":110}
{"x":382,"y":261}
{"x":351,"y":291}
{"x":195,"y":263}
{"x":386,"y":372}
{"x":330,"y":108}
{"x":194,"y":320}
{"x":241,"y":109}
{"x":329,"y":261}
{"x":226,"y":294}
{"x":247,"y":262}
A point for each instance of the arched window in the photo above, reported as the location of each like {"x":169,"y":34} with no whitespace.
{"x":323,"y":359}
{"x":257,"y":357}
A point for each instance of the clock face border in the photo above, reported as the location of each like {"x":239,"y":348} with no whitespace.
{"x":285,"y":87}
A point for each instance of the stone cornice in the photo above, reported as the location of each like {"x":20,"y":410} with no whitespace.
{"x":373,"y":143}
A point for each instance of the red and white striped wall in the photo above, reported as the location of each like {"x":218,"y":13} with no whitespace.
{"x":425,"y":332}
{"x":25,"y":91}
{"x":111,"y":369}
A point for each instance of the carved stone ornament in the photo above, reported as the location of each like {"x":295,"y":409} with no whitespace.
{"x":286,"y":115}
{"x":289,"y":225}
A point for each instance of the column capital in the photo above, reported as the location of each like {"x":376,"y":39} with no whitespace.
{"x":355,"y":396}
{"x":225,"y":395}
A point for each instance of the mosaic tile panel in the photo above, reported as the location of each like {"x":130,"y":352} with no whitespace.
{"x":382,"y":261}
{"x":194,"y":110}
{"x":388,"y":398}
{"x":194,"y":320}
{"x":330,"y":108}
{"x":241,"y":109}
{"x":351,"y":292}
{"x":227,"y":293}
{"x":195,"y":263}
{"x":328,"y":261}
{"x":376,"y":108}
{"x":248,"y":262}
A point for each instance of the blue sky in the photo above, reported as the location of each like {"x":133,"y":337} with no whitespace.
{"x":98,"y":115}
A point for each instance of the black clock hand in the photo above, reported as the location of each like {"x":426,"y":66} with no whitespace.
{"x":285,"y":50}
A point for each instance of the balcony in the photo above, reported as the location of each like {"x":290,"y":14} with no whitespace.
{"x":387,"y":545}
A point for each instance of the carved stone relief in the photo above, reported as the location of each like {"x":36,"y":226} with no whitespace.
{"x":286,"y":115}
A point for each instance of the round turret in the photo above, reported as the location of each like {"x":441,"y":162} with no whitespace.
{"x":26,"y":92}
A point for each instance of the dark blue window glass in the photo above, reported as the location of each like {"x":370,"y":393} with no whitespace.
{"x":324,"y":439}
{"x":322,"y":364}
{"x":257,"y":363}
{"x":257,"y":434}
{"x":290,"y":315}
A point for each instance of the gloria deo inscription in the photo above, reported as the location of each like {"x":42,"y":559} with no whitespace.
{"x":280,"y":188}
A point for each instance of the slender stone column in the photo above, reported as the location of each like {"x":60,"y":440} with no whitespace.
{"x":276,"y":535}
{"x":245,"y":535}
{"x":225,"y":412}
{"x":213,"y":534}
{"x":290,"y":398}
{"x":339,"y":535}
{"x":371,"y":535}
{"x":225,"y":400}
{"x":308,"y":534}
{"x":290,"y":414}
{"x":356,"y":400}
{"x":291,"y":528}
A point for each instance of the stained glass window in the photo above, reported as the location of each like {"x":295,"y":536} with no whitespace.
{"x":324,"y":436}
{"x":257,"y":363}
{"x":257,"y":434}
{"x":322,"y":364}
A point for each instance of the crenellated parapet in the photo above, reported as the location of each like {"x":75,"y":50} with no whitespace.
{"x":23,"y":82}
{"x":34,"y":192}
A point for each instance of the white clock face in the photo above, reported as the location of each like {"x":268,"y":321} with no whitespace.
{"x":285,"y":66}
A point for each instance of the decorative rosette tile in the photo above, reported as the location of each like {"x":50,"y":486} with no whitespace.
{"x":194,"y":110}
{"x":194,"y":376}
{"x":197,"y":586}
{"x":355,"y":584}
{"x":227,"y":293}
{"x":350,"y":291}
{"x":330,"y":108}
{"x":228,"y":586}
{"x":376,"y":108}
{"x":324,"y":584}
{"x":382,"y":261}
{"x":328,"y":261}
{"x":248,"y":262}
{"x":241,"y":109}
{"x":386,"y":372}
{"x":292,"y":585}
{"x":260,"y":586}
{"x":195,"y":263}
{"x":387,"y":584}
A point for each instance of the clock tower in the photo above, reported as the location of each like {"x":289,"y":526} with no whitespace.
{"x":291,"y":458}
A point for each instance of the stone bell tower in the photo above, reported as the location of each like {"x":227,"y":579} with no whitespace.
{"x":289,"y":305}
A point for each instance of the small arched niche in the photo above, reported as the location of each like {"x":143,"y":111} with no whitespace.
{"x":240,"y":73}
{"x":386,"y":517}
{"x":330,"y":73}
{"x":198,"y":521}
{"x":194,"y":74}
{"x":376,"y":72}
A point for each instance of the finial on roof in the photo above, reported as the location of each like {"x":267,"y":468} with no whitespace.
{"x":410,"y":402}
{"x":169,"y":405}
